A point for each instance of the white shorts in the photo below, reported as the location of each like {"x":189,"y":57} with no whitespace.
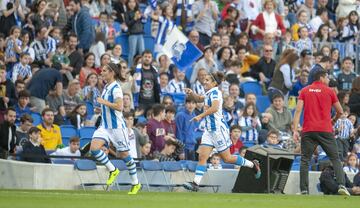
{"x":219,"y":139}
{"x":118,"y":137}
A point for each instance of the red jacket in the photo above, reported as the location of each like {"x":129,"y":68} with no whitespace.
{"x":260,"y":23}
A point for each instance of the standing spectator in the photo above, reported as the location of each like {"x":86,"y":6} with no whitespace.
{"x":42,"y":82}
{"x":169,"y":121}
{"x":347,"y":76}
{"x":302,"y":18}
{"x":177,"y":85}
{"x":13,"y":48}
{"x":19,"y":86}
{"x":34,"y":147}
{"x":345,"y":7}
{"x":7,"y":92}
{"x":12,"y":14}
{"x":98,"y":47}
{"x":155,"y":128}
{"x":249,"y":10}
{"x":264,"y":69}
{"x":194,"y":38}
{"x":184,"y":17}
{"x":247,"y":60}
{"x":22,"y":106}
{"x":354,"y":100}
{"x":308,"y":7}
{"x":146,"y":85}
{"x":185,"y":129}
{"x":317,"y":129}
{"x":116,"y":54}
{"x":133,"y":18}
{"x":126,"y":81}
{"x":281,"y":115}
{"x":91,"y":90}
{"x":284,"y":76}
{"x":205,"y":13}
{"x":50,"y":132}
{"x":304,"y":42}
{"x":82,"y":25}
{"x":41,"y":48}
{"x":8,"y":138}
{"x":206,"y":62}
{"x":236,"y":139}
{"x":22,"y":130}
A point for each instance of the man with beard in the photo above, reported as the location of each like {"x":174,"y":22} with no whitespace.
{"x":147,"y":87}
{"x":50,"y":133}
{"x":8,"y":134}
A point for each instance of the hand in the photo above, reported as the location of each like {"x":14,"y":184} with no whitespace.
{"x":101,"y":101}
{"x":188,"y":91}
{"x":296,"y":136}
{"x":196,"y":118}
{"x":6,"y":99}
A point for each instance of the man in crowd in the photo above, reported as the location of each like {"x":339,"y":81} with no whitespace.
{"x":50,"y":133}
{"x":8,"y":134}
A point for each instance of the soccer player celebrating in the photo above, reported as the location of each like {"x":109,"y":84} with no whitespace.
{"x":113,"y":128}
{"x":216,"y":133}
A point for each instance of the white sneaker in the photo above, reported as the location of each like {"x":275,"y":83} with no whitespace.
{"x":343,"y":191}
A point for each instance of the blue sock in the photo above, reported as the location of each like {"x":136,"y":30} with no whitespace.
{"x":103,"y":159}
{"x":199,"y":173}
{"x":240,"y":161}
{"x":130,"y":164}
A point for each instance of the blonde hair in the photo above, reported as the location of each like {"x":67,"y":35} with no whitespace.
{"x":269,"y":1}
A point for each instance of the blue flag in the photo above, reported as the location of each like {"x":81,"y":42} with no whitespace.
{"x":180,"y":50}
{"x":152,"y":3}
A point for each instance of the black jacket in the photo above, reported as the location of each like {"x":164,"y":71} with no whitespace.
{"x":354,"y":103}
{"x":4,"y":136}
{"x":30,"y":149}
{"x":328,"y":183}
{"x":135,"y":27}
{"x":10,"y":93}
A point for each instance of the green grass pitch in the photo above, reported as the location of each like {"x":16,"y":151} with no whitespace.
{"x":99,"y":199}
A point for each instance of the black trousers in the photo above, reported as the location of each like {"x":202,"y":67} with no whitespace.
{"x":309,"y":142}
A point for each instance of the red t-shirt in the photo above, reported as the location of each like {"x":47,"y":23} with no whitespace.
{"x":235,"y":148}
{"x":318,"y":100}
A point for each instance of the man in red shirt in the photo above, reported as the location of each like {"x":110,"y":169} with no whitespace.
{"x":317,"y":100}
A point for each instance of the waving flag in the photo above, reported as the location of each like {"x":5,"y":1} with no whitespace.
{"x":180,"y":50}
{"x":152,"y":3}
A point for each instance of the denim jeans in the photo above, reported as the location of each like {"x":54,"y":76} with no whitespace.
{"x":136,"y":46}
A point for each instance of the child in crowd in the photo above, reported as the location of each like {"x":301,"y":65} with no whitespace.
{"x":13,"y":47}
{"x":250,"y":123}
{"x":60,"y":59}
{"x":273,"y":139}
{"x":352,"y":164}
{"x":102,"y":25}
{"x":112,"y":33}
{"x":34,"y":147}
{"x":72,"y":150}
{"x":164,"y":82}
{"x":215,"y":162}
{"x":304,"y":41}
{"x":346,"y":77}
{"x":235,"y":136}
{"x":343,"y":130}
{"x":78,"y":116}
{"x":22,"y":70}
{"x":177,"y":85}
{"x":91,"y":91}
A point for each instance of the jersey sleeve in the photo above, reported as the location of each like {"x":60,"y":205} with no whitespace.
{"x":215,"y":95}
{"x":117,"y":93}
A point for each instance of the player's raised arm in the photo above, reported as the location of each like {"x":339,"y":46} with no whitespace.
{"x":196,"y":97}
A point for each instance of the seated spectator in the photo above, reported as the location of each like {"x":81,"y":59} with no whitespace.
{"x":34,"y":148}
{"x":329,"y":185}
{"x":145,"y":150}
{"x":246,"y":59}
{"x":22,"y":70}
{"x":281,"y":115}
{"x":215,"y":162}
{"x":167,"y":153}
{"x":169,"y":121}
{"x":242,"y":151}
{"x":235,"y":136}
{"x":88,"y":68}
{"x":347,"y":76}
{"x":127,"y":104}
{"x":7,"y":92}
{"x":50,"y":132}
{"x":72,"y":150}
{"x":300,"y":83}
{"x":250,"y":123}
{"x":8,"y":133}
{"x":22,"y":134}
{"x":60,"y":58}
{"x":22,"y":106}
{"x":91,"y":90}
{"x":177,"y":84}
{"x":352,"y":164}
{"x":185,"y":129}
{"x":71,"y":96}
{"x":273,"y":139}
{"x":206,"y":62}
{"x":263,"y":70}
{"x":77,"y":116}
{"x":164,"y":82}
{"x":56,"y":103}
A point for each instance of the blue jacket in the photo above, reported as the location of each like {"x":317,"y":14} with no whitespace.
{"x":83,"y":28}
{"x":185,"y":130}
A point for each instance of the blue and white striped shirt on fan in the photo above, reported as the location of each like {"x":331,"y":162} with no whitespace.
{"x":176,"y":87}
{"x":9,"y":50}
{"x":110,"y":118}
{"x":165,"y":25}
{"x":51,"y":44}
{"x":188,"y":5}
{"x":252,"y":133}
{"x":198,"y":88}
{"x":344,"y":128}
{"x":21,"y":70}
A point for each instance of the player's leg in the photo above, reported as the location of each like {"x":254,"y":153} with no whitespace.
{"x":122,"y":147}
{"x":204,"y":153}
{"x":101,"y":138}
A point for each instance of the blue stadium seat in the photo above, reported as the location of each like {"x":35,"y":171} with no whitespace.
{"x":147,"y":27}
{"x":86,"y":132}
{"x":151,"y":168}
{"x":149,"y":42}
{"x":63,"y":161}
{"x":262,"y":103}
{"x":251,"y":87}
{"x":90,"y":167}
{"x":249,"y":143}
{"x":36,"y":118}
{"x":89,"y":110}
{"x":84,"y":141}
{"x":123,"y":41}
{"x":67,"y":131}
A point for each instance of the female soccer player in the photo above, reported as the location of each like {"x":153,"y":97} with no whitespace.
{"x":216,"y":133}
{"x":113,"y":128}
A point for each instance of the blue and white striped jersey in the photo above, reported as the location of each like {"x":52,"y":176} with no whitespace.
{"x":216,"y":120}
{"x":165,"y":25}
{"x":51,"y":44}
{"x":20,"y":70}
{"x":252,"y":134}
{"x":176,"y":87}
{"x":343,"y":127}
{"x":188,"y":6}
{"x":110,"y":118}
{"x":198,"y":88}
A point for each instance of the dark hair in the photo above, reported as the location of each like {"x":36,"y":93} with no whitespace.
{"x":356,"y":118}
{"x":171,"y":142}
{"x":233,"y":127}
{"x":129,"y":114}
{"x":100,"y":37}
{"x":136,"y":6}
{"x":10,"y":109}
{"x":190,"y":99}
{"x":157,"y":109}
{"x":74,"y":139}
{"x":24,"y":93}
{"x":320,"y":11}
{"x":275,"y":96}
{"x":221,"y":51}
{"x":26,"y":117}
{"x":72,"y":35}
{"x":273,"y":132}
{"x":305,"y":52}
{"x":75,"y":1}
{"x":74,"y":111}
{"x":347,"y":58}
{"x":146,"y":52}
{"x":355,"y":85}
{"x":87,"y":56}
{"x":88,"y":77}
{"x":46,"y":110}
{"x":33,"y":130}
{"x":318,"y":74}
{"x":115,"y":68}
{"x":319,"y":35}
{"x":325,"y":59}
{"x":19,"y":81}
{"x":217,"y":77}
{"x":240,"y":47}
{"x":170,"y":109}
{"x":248,"y":106}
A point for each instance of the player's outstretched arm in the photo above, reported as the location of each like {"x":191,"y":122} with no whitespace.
{"x":197,"y":98}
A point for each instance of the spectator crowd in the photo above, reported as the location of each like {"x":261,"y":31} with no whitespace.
{"x":52,"y":53}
